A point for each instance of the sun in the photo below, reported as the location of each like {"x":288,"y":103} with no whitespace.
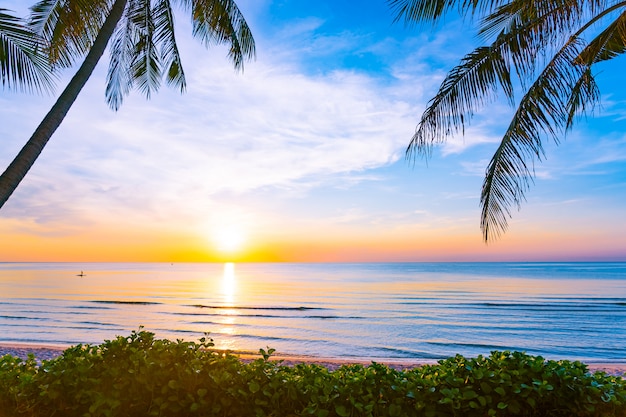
{"x":229,"y":240}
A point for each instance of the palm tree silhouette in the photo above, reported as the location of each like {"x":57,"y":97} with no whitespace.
{"x":143,"y":52}
{"x":548,"y":47}
{"x":23,"y":65}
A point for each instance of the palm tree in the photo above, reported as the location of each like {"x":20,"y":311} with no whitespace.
{"x":22,"y":64}
{"x":548,"y":47}
{"x":143,"y":51}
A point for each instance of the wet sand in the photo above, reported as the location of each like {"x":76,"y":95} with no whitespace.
{"x":45,"y":352}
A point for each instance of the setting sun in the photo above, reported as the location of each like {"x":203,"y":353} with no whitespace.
{"x":229,"y":240}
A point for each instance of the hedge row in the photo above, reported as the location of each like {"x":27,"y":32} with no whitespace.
{"x":139,"y":375}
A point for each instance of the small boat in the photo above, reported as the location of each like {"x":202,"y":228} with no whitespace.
{"x":81,"y":274}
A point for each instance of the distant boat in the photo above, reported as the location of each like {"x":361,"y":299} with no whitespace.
{"x":81,"y":274}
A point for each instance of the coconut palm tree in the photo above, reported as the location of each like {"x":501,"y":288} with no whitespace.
{"x":23,"y":65}
{"x":143,"y":52}
{"x":548,"y":48}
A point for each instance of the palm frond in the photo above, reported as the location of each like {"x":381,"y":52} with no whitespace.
{"x":527,"y":36}
{"x":610,"y":43}
{"x":413,"y":11}
{"x":43,"y":19}
{"x":221,"y":21}
{"x":540,"y":27}
{"x":119,"y":77}
{"x":68,"y":26}
{"x":476,"y":80}
{"x":22,"y":63}
{"x":146,"y":67}
{"x":165,"y":36}
{"x":542,"y":111}
{"x":466,"y":88}
{"x":144,"y":46}
{"x":560,"y":16}
{"x":585,"y":94}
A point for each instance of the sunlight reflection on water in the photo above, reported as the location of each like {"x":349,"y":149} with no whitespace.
{"x":229,"y":284}
{"x":374,"y":310}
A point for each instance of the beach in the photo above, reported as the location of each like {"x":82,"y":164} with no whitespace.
{"x":47,"y":352}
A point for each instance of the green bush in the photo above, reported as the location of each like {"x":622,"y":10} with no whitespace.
{"x":139,"y":375}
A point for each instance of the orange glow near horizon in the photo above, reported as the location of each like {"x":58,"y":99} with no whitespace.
{"x":119,"y":244}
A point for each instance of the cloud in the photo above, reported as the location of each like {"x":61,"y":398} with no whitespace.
{"x":587,"y":153}
{"x":271,"y":127}
{"x":461,"y":142}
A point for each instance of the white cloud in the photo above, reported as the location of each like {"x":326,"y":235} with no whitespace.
{"x":230,"y":133}
{"x":472,"y":137}
{"x":475,"y":168}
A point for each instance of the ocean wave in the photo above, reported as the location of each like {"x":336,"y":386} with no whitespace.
{"x":268,"y":316}
{"x":130,"y":302}
{"x":488,"y":347}
{"x":277,"y":308}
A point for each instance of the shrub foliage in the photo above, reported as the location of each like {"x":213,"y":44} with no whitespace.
{"x":139,"y":375}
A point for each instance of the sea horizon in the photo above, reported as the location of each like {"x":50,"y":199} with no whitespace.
{"x":540,"y":261}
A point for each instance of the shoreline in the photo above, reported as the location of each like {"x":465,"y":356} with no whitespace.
{"x":46,"y":351}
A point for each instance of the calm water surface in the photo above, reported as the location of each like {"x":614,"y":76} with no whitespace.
{"x":397,"y":310}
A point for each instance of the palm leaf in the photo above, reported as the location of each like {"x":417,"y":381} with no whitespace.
{"x":432,"y":10}
{"x":69,"y":27}
{"x":472,"y":83}
{"x":610,"y":43}
{"x":541,"y":26}
{"x":525,"y":29}
{"x":585,"y":94}
{"x":476,"y":80}
{"x":526,"y":35}
{"x":22,"y":65}
{"x":542,"y":111}
{"x":465,"y":88}
{"x":165,"y":36}
{"x":146,"y":67}
{"x":45,"y":15}
{"x":119,"y":77}
{"x":221,"y":21}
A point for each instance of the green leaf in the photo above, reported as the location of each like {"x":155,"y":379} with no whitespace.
{"x":341,"y":411}
{"x":469,"y":395}
{"x":254,"y":386}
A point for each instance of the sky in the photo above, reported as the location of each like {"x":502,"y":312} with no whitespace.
{"x":301,"y":157}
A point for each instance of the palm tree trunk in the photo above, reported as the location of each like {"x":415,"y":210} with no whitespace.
{"x":16,"y":171}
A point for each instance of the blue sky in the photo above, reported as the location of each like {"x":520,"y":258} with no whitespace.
{"x":301,"y":156}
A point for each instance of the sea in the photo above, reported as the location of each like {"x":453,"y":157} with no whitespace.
{"x":377,"y":311}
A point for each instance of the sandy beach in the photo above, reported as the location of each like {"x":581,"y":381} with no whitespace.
{"x":45,"y":352}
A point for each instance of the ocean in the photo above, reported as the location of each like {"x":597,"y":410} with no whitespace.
{"x":416,"y":311}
